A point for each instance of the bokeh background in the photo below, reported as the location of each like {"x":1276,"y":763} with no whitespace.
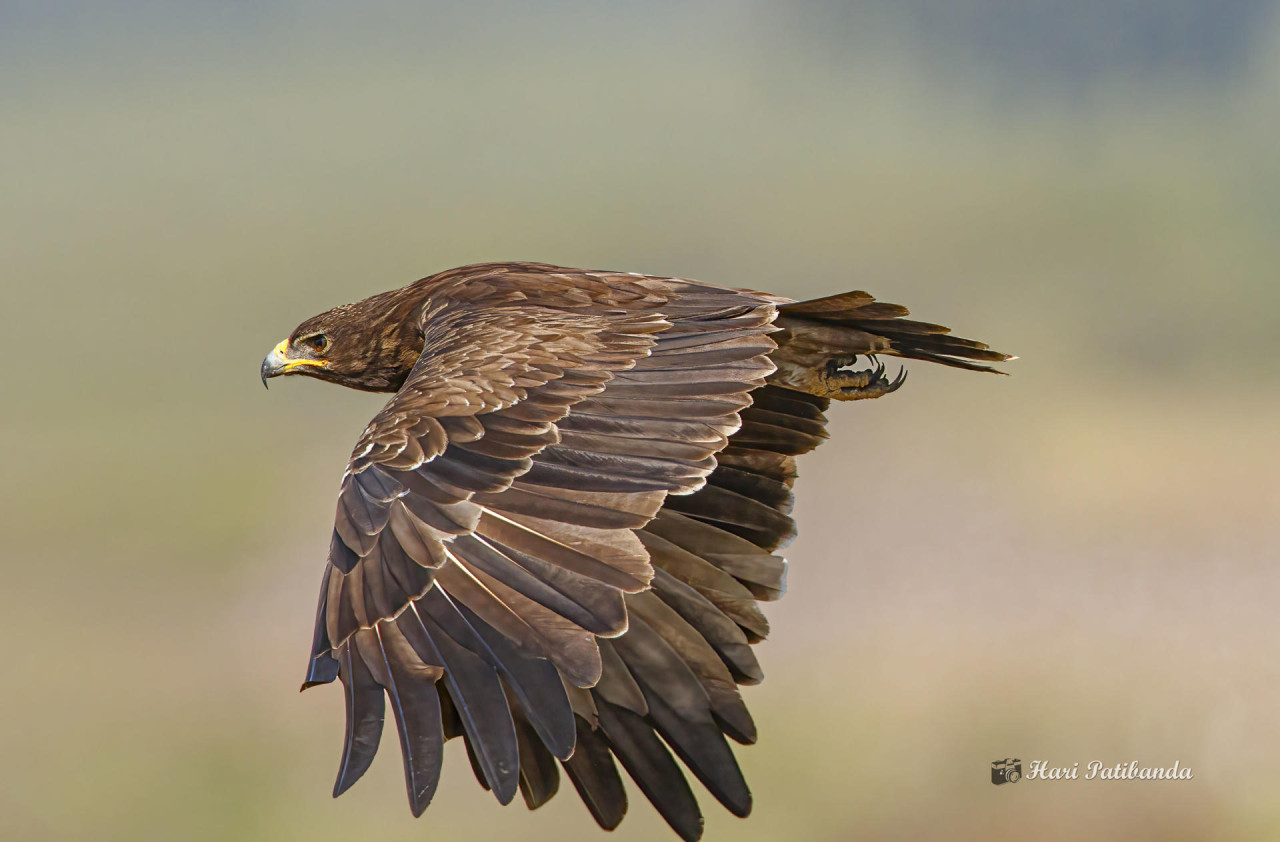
{"x":1074,"y":563}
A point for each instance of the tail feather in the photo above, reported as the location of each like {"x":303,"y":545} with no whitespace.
{"x":825,"y":334}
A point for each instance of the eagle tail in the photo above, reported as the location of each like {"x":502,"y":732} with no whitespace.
{"x":819,"y":338}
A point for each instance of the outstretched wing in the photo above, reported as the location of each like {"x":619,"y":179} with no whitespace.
{"x":670,"y":683}
{"x":484,"y":541}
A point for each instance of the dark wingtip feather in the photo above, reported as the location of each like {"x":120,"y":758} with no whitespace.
{"x":411,"y":686}
{"x":595,"y":776}
{"x":366,"y":708}
{"x":475,"y":696}
{"x":539,"y":774}
{"x":535,"y":684}
{"x":647,"y":760}
{"x":703,"y":749}
{"x":322,"y":670}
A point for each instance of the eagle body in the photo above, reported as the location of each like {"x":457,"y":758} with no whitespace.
{"x":553,"y":539}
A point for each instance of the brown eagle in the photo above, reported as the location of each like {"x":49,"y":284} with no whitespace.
{"x":553,"y":540}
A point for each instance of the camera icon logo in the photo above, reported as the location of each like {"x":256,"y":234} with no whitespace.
{"x":1007,"y":771}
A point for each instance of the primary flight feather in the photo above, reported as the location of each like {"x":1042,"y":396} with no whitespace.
{"x":553,"y":539}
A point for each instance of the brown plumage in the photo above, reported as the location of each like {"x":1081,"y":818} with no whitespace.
{"x":553,"y":539}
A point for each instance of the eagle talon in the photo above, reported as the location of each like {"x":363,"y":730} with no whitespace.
{"x":833,"y":377}
{"x":863,"y":385}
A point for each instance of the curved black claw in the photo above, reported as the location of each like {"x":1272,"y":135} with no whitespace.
{"x":897,"y":382}
{"x":861,"y":385}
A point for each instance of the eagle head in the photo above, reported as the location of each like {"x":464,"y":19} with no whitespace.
{"x":367,"y":345}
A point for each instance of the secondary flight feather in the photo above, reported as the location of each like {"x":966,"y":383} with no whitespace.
{"x":553,"y":540}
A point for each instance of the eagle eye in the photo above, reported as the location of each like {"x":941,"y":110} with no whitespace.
{"x":318,"y":343}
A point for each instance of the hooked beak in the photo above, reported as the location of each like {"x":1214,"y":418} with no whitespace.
{"x":278,"y":362}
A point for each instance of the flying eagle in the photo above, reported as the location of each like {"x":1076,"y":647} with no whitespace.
{"x":553,"y":539}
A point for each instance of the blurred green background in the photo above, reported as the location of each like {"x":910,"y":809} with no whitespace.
{"x":1074,"y":563}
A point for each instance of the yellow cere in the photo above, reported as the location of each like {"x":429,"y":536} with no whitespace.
{"x":279,"y":351}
